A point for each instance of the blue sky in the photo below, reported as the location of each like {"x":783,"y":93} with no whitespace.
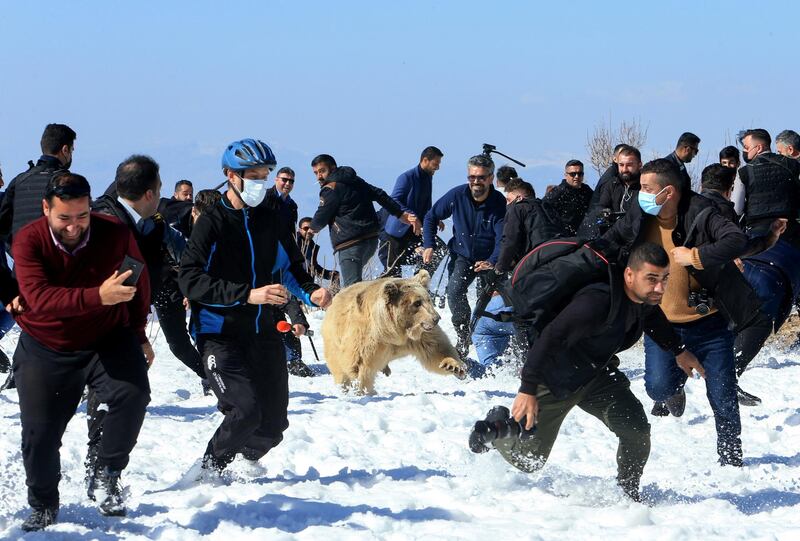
{"x":373,"y":83}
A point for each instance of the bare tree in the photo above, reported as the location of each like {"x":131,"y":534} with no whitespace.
{"x":602,"y":141}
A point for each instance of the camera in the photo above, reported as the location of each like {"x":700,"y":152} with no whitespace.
{"x":607,"y":217}
{"x":701,"y":301}
{"x":488,"y":149}
{"x":498,"y":425}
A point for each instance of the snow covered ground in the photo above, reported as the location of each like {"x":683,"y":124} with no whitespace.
{"x":397,"y":466}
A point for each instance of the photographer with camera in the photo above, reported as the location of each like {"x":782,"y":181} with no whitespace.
{"x":573,"y":363}
{"x":705,"y":294}
{"x":614,"y":196}
{"x":571,"y":198}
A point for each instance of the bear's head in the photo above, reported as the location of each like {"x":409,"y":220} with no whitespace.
{"x":409,"y":304}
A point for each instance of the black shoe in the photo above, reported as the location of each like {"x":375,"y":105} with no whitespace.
{"x":9,"y":383}
{"x":39,"y":519}
{"x":659,"y":410}
{"x":485,"y":430}
{"x":298,"y":368}
{"x":5,"y":364}
{"x":631,"y":490}
{"x":92,"y":479}
{"x":113,"y":505}
{"x":212,"y":463}
{"x":462,"y":346}
{"x":730,"y":453}
{"x":746,"y":399}
{"x":676,"y":404}
{"x":207,"y":390}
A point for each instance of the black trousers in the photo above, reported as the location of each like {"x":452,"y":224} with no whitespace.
{"x":50,"y":384}
{"x":403,"y":251}
{"x":251,"y":382}
{"x":168,"y":302}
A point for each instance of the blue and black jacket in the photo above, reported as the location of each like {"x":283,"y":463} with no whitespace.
{"x":231,"y":252}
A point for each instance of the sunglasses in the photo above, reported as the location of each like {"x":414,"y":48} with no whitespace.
{"x":477,"y":178}
{"x":286,"y":179}
{"x":305,"y":228}
{"x":576,"y":174}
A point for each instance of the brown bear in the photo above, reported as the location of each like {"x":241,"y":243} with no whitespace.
{"x":370,"y":324}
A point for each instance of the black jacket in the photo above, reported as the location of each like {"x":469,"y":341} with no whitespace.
{"x":161,"y":246}
{"x":528,"y":223}
{"x":288,"y":206}
{"x":345,"y":206}
{"x":571,"y":204}
{"x":614,"y":195}
{"x":178,"y":214}
{"x":231,"y":252}
{"x":686,"y":185}
{"x":598,"y":322}
{"x":22,"y":203}
{"x":718,"y":240}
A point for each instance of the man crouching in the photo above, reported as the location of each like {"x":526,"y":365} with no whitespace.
{"x":573,"y":363}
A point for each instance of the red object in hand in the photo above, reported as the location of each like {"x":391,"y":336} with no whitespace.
{"x":283,"y":326}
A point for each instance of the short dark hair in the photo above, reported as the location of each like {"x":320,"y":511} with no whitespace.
{"x":303,"y":220}
{"x":729,"y":152}
{"x":286,"y":171}
{"x":718,"y":177}
{"x":182,"y":183}
{"x":666,"y":171}
{"x":574,"y":163}
{"x":648,"y":252}
{"x":759,"y":134}
{"x":628,"y":150}
{"x":619,"y":147}
{"x":205,"y":199}
{"x":481,"y":160}
{"x":56,"y":136}
{"x":687,"y":139}
{"x":519,"y":185}
{"x":505,"y":173}
{"x":67,"y":186}
{"x":430,"y":153}
{"x":135,"y":176}
{"x":323,"y":158}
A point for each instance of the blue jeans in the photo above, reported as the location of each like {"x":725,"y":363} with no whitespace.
{"x":6,"y":322}
{"x":712,"y":343}
{"x":353,"y":258}
{"x":490,"y":337}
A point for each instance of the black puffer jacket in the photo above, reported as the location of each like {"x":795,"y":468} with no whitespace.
{"x":718,"y":240}
{"x":528,"y":223}
{"x":22,"y":203}
{"x":571,"y":204}
{"x":345,"y":206}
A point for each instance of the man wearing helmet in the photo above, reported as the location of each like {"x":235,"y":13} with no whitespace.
{"x":227,"y":272}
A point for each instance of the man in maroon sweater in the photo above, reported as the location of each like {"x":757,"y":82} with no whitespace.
{"x":80,"y":325}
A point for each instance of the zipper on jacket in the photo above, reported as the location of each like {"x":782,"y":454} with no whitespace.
{"x":252,"y":262}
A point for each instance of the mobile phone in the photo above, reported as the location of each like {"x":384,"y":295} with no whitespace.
{"x":134,"y":265}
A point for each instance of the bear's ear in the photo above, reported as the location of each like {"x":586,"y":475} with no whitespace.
{"x":423,"y":277}
{"x":392,"y":293}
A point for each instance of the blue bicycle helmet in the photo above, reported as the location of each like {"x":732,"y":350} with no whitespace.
{"x":247,"y":154}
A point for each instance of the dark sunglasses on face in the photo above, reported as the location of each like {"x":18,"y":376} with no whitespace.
{"x":477,"y":178}
{"x":305,"y":228}
{"x":576,"y":174}
{"x":286,"y":179}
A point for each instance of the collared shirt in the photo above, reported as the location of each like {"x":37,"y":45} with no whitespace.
{"x":63,"y":248}
{"x":144,"y":225}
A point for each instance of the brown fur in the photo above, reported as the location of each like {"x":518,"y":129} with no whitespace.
{"x":370,"y":324}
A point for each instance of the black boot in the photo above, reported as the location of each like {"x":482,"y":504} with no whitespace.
{"x":40,"y":519}
{"x":92,"y":479}
{"x":676,"y":404}
{"x":631,"y":489}
{"x":5,"y":364}
{"x":207,"y":390}
{"x":113,"y":505}
{"x":298,"y":368}
{"x":746,"y":399}
{"x":214,"y":464}
{"x":462,"y":345}
{"x":9,"y":383}
{"x":730,"y":453}
{"x":660,"y":409}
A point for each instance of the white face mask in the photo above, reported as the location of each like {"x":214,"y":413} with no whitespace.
{"x":253,"y":191}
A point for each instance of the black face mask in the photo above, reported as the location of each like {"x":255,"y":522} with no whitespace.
{"x":746,"y":158}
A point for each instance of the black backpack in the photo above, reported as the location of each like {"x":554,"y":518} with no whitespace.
{"x":544,"y":281}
